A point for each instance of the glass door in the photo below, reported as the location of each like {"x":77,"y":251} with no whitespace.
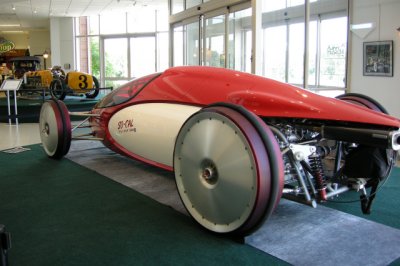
{"x":239,"y":40}
{"x":214,"y":41}
{"x":220,"y":38}
{"x":115,"y":62}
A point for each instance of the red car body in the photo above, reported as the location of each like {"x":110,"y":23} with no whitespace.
{"x":237,"y":139}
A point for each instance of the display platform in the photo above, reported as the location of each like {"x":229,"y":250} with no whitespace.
{"x":29,"y":107}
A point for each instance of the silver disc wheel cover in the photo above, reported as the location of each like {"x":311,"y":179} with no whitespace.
{"x":49,"y":128}
{"x":215,"y":172}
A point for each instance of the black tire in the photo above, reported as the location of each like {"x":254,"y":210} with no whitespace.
{"x":95,"y":91}
{"x":58,"y":89}
{"x":362,"y":100}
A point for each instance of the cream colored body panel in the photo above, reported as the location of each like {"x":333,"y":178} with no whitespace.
{"x":150,"y":130}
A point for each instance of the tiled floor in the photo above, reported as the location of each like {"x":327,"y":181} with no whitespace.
{"x":18,"y":135}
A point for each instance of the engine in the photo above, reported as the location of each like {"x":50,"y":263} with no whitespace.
{"x":319,"y":167}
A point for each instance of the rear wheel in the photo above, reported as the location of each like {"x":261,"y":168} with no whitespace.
{"x":363,"y":100}
{"x":385,"y":157}
{"x":223,"y":170}
{"x":55,"y":128}
{"x":95,"y":91}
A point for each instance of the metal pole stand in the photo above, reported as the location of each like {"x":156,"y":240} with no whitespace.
{"x":8,"y":86}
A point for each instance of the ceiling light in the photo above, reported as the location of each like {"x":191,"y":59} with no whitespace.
{"x":13,"y":31}
{"x":13,"y":7}
{"x":362,"y":26}
{"x":10,"y":25}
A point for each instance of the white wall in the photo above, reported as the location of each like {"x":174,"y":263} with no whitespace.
{"x":385,"y":14}
{"x":62,"y":42}
{"x":39,"y":42}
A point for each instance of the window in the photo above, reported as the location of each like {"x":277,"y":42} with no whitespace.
{"x":133,"y":45}
{"x":143,"y":20}
{"x":118,"y":24}
{"x":239,"y":42}
{"x":275,"y":53}
{"x":333,"y":52}
{"x":178,"y":46}
{"x":215,"y":42}
{"x":284,"y":43}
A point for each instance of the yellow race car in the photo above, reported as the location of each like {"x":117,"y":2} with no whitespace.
{"x":74,"y":83}
{"x":61,"y":84}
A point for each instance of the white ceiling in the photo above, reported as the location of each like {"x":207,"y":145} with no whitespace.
{"x":35,"y":14}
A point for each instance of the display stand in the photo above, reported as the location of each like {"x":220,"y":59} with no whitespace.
{"x":9,"y":85}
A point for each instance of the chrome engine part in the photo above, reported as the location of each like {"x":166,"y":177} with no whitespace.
{"x":318,"y":168}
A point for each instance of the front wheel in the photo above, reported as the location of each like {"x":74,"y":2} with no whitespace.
{"x":58,"y":89}
{"x":55,"y":128}
{"x":224,"y":173}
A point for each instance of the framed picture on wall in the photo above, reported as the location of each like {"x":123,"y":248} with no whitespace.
{"x":378,"y":59}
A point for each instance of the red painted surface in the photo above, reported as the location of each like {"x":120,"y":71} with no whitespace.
{"x":265,"y":97}
{"x":202,"y":86}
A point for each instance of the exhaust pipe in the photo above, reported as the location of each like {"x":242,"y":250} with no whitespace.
{"x":388,"y":139}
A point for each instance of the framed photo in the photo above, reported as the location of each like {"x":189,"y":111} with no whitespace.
{"x":378,"y":59}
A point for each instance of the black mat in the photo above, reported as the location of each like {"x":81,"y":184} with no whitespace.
{"x":29,"y":108}
{"x":295,"y":233}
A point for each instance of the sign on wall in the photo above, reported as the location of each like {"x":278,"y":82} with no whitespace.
{"x":6,"y":45}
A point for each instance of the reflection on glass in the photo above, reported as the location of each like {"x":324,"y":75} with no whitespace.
{"x":296,"y":54}
{"x":143,"y":56}
{"x":333,"y":52}
{"x":239,"y":44}
{"x":178,"y":46}
{"x":275,"y":53}
{"x":116,"y":59}
{"x":312,"y":54}
{"x":162,"y":51}
{"x":192,"y":44}
{"x":215,"y":44}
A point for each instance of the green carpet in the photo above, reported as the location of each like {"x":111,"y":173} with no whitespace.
{"x":385,"y":209}
{"x":60,"y":213}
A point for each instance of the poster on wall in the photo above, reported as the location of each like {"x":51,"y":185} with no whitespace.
{"x":378,"y":58}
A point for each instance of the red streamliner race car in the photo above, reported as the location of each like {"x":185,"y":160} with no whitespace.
{"x":237,"y":142}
